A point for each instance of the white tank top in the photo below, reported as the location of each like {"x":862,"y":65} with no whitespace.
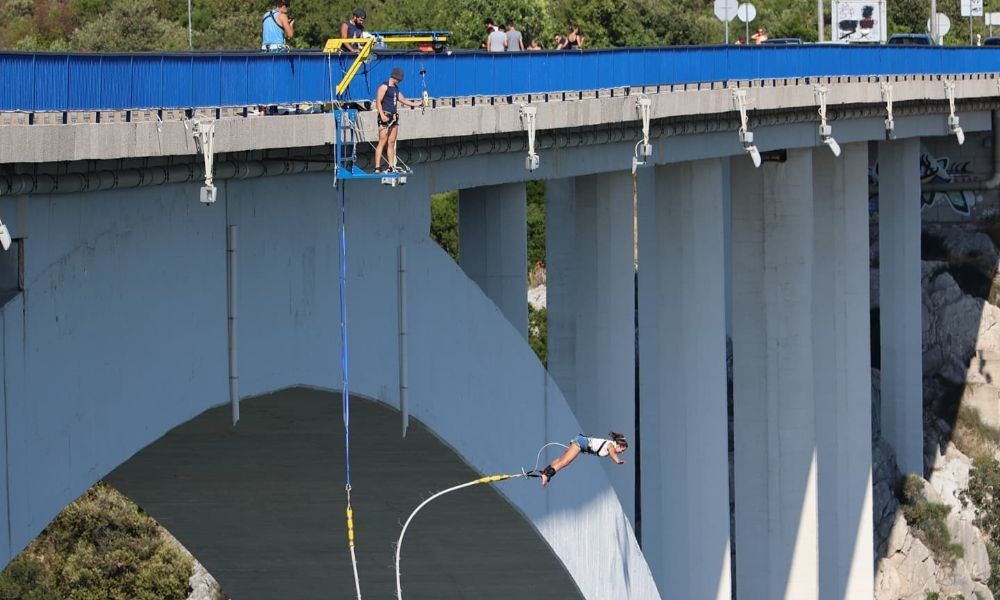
{"x":599,"y":446}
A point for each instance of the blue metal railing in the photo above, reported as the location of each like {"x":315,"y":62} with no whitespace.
{"x":59,"y":82}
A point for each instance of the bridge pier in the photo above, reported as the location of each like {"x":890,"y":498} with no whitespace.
{"x":682,"y":344}
{"x":777,"y":549}
{"x":899,"y":299}
{"x":492,"y":246}
{"x":591,"y":307}
{"x":841,"y":354}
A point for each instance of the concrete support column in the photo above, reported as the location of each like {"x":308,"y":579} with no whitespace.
{"x":777,"y":549}
{"x":560,"y":282}
{"x":842,"y":367}
{"x":492,"y":246}
{"x":682,"y":342}
{"x":899,"y":297}
{"x":591,"y":302}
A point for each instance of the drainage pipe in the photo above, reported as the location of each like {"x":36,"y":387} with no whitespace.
{"x":234,"y":376}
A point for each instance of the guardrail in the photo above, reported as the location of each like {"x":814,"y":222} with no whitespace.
{"x":38,"y":82}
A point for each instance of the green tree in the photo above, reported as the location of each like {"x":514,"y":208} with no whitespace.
{"x":444,"y":222}
{"x":226,"y":24}
{"x":130,"y":26}
{"x":536,"y":223}
{"x":100,"y":547}
{"x":908,"y":16}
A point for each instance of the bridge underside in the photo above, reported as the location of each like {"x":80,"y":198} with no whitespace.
{"x":261,"y":505}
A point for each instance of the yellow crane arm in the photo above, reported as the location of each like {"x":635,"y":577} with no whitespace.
{"x":335,"y":45}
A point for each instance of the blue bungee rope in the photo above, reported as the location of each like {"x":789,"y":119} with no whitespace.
{"x":344,"y":369}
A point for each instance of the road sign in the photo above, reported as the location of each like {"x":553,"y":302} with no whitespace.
{"x":993,"y":18}
{"x":746,"y":12}
{"x":972,"y":8}
{"x":725,"y":10}
{"x":944,"y":26}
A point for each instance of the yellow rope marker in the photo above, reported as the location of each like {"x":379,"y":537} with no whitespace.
{"x":350,"y":526}
{"x":399,"y":544}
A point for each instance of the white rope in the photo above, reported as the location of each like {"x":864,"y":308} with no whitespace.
{"x":542,"y":449}
{"x":399,"y":543}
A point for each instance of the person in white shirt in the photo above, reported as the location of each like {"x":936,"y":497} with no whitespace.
{"x":582,"y":444}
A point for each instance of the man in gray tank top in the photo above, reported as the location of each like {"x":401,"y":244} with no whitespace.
{"x":515,"y":43}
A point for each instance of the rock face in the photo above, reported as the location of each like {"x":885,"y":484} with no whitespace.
{"x":961,"y":347}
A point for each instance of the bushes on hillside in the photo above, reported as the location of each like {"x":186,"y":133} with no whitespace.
{"x":101,"y":547}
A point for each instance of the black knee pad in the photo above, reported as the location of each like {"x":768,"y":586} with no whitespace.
{"x":549,"y":472}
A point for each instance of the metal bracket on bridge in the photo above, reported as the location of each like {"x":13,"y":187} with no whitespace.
{"x":746,"y":136}
{"x":643,"y":149}
{"x":890,"y":124}
{"x":204,"y":137}
{"x":825,"y":131}
{"x":528,"y":122}
{"x":953,"y":126}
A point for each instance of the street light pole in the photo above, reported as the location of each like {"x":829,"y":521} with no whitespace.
{"x":819,"y":20}
{"x":190,"y":37}
{"x":934,"y":23}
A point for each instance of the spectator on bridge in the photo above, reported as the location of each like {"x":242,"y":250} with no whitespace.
{"x":574,"y":41}
{"x":276,"y":28}
{"x":534,"y":45}
{"x":760,"y":37}
{"x":497,"y":41}
{"x":739,"y":41}
{"x":353,"y":28}
{"x":387,"y":101}
{"x":586,"y":445}
{"x":515,"y":42}
{"x":560,"y":42}
{"x":490,"y":28}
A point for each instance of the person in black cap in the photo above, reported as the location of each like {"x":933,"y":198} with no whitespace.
{"x":387,"y":101}
{"x":353,"y":28}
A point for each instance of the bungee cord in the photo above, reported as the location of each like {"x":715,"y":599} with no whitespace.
{"x":399,"y":543}
{"x":481,"y":481}
{"x":345,"y":371}
{"x":345,"y":364}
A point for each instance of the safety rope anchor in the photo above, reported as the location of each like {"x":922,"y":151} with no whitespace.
{"x":643,"y":150}
{"x":890,"y":124}
{"x":825,"y":131}
{"x":953,"y":126}
{"x":203,"y":131}
{"x":740,"y":102}
{"x":528,"y":113}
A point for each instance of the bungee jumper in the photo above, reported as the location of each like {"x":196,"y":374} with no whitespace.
{"x":582,"y":444}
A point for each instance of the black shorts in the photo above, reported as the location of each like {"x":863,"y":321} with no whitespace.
{"x":393,"y":121}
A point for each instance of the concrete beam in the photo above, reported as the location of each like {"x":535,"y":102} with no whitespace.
{"x":682,"y":342}
{"x":899,"y":288}
{"x":88,"y":141}
{"x":842,"y":367}
{"x":777,"y":549}
{"x":492,"y":246}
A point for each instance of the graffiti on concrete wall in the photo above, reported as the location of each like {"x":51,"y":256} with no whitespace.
{"x":935,"y":169}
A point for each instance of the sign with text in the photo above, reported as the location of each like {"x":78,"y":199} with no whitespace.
{"x":972,"y":8}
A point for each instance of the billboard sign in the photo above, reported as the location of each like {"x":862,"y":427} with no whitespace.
{"x":859,"y":21}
